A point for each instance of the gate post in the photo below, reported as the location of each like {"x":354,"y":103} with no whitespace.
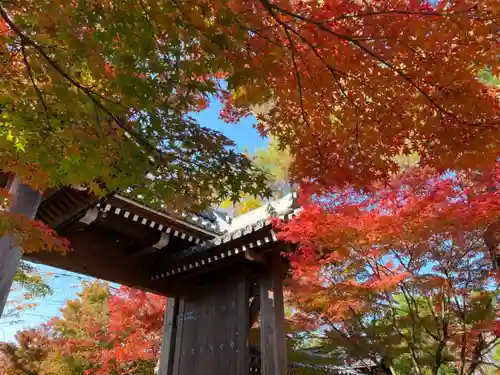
{"x":167,"y":350}
{"x":273,"y":344}
{"x":25,"y":201}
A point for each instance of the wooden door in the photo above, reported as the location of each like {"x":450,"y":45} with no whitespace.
{"x":212,"y":330}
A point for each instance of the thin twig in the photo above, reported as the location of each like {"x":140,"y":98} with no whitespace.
{"x":32,"y":79}
{"x":396,"y":12}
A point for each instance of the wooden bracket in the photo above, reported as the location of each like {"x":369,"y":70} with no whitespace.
{"x":255,"y":256}
{"x":90,"y":216}
{"x":164,"y":240}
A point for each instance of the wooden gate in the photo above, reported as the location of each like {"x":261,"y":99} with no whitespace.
{"x":212,"y":326}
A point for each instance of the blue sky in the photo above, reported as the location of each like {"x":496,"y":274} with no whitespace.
{"x":242,"y":133}
{"x":67,"y":285}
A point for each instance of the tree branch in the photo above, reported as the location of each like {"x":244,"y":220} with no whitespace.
{"x":87,"y":91}
{"x":378,"y":58}
{"x":299,"y":84}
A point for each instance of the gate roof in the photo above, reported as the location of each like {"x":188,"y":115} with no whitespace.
{"x":119,"y":239}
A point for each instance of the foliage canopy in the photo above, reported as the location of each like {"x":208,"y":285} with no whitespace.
{"x":404,"y":274}
{"x":91,"y":91}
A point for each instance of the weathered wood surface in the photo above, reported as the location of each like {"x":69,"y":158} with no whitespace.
{"x":179,"y":337}
{"x":243,"y":328}
{"x":25,"y":201}
{"x":272,"y":336}
{"x":169,"y":335}
{"x":101,"y":253}
{"x":212,"y":330}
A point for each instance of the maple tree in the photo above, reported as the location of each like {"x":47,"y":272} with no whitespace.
{"x":98,"y":333}
{"x":30,"y":235}
{"x":29,"y":278}
{"x":29,"y":286}
{"x":402,"y":274}
{"x":276,"y":163}
{"x":94,"y":91}
{"x":26,"y":355}
{"x":353,"y":84}
{"x":104,"y":332}
{"x":95,"y":95}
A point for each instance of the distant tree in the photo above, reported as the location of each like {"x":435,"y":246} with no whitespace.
{"x":102,"y":333}
{"x":32,"y":282}
{"x":26,"y":356}
{"x":99,"y":333}
{"x":276,"y":162}
{"x":29,"y":286}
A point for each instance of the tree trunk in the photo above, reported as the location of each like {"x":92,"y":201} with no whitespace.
{"x":491,"y":239}
{"x":476,"y":355}
{"x":438,"y":358}
{"x":25,"y":201}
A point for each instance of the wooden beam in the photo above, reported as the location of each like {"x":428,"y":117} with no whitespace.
{"x":25,"y":201}
{"x":101,"y":253}
{"x":272,"y":340}
{"x":169,"y":338}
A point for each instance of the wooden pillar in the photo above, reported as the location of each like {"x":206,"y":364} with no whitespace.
{"x":25,"y":201}
{"x":179,"y":349}
{"x":272,"y":334}
{"x":169,"y":334}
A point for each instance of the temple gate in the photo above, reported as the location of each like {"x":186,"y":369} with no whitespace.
{"x":219,"y":274}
